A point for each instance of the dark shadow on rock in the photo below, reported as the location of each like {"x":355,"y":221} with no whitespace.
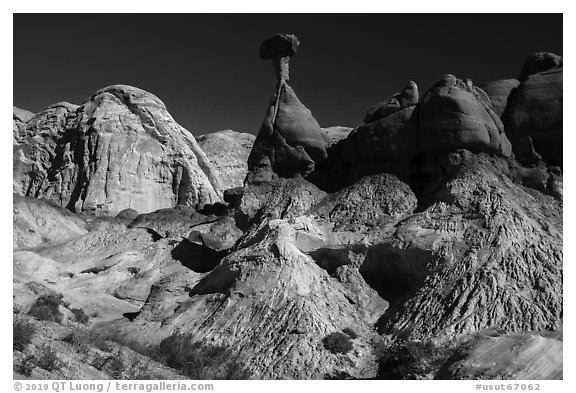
{"x":131,"y":315}
{"x":331,"y":259}
{"x":196,"y":257}
{"x":396,"y":274}
{"x":444,"y":371}
{"x":155,"y":235}
{"x":220,"y":280}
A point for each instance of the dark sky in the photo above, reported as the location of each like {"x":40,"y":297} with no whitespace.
{"x":207,"y":70}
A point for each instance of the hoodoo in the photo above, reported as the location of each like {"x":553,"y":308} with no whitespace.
{"x":290,"y":140}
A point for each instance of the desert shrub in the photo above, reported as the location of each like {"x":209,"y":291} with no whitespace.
{"x":412,"y":360}
{"x":124,"y":341}
{"x":47,"y":359}
{"x":350,"y":333}
{"x":22,"y":333}
{"x":133,"y":270}
{"x":46,"y":308}
{"x":80,"y":315}
{"x":83,"y":339}
{"x":198,"y":360}
{"x":26,"y":366}
{"x":140,"y":371}
{"x":337,"y":343}
{"x":115,"y":367}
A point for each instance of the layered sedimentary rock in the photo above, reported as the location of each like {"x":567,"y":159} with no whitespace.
{"x":415,"y":227}
{"x":539,"y":62}
{"x":498,"y":92}
{"x":513,"y":356}
{"x":120,"y":149}
{"x":407,"y":97}
{"x":453,"y":114}
{"x":39,"y":223}
{"x":496,"y":256}
{"x":228,"y":153}
{"x":333,"y":135}
{"x":534,"y":117}
{"x":408,"y":138}
{"x":290,"y":140}
{"x":38,"y":148}
{"x":20,"y":118}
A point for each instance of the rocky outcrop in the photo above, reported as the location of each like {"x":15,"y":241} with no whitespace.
{"x":228,"y":153}
{"x":38,"y":148}
{"x":482,"y":252}
{"x":333,"y":135}
{"x":407,"y":97}
{"x":290,"y":140}
{"x":539,"y":62}
{"x":39,"y":223}
{"x":454,"y":114}
{"x":514,"y":356}
{"x":20,"y":118}
{"x":120,"y":149}
{"x":495,"y":256}
{"x":534,"y":118}
{"x":409,"y":138}
{"x":498,"y":92}
{"x":415,"y":235}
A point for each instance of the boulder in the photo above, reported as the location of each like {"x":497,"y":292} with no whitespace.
{"x":127,"y":215}
{"x":218,"y":235}
{"x":228,"y":153}
{"x":120,"y":149}
{"x":499,"y":91}
{"x":170,"y":222}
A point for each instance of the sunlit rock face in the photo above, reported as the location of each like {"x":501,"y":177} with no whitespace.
{"x":120,"y":149}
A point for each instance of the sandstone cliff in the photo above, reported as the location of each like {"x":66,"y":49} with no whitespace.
{"x":228,"y":153}
{"x":120,"y":149}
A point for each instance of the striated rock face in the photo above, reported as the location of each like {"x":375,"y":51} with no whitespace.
{"x":120,"y":149}
{"x":20,"y":118}
{"x":228,"y":153}
{"x":39,"y":223}
{"x":495,"y":257}
{"x":534,"y":118}
{"x":498,"y":92}
{"x":481,"y":252}
{"x":38,"y":147}
{"x":514,"y":356}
